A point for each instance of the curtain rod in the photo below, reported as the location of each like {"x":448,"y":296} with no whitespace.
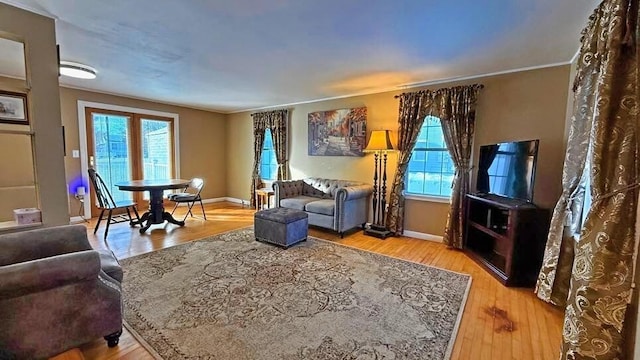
{"x":268,"y":112}
{"x":479,"y":86}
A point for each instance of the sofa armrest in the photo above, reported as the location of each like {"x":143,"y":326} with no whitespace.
{"x":286,"y":189}
{"x":44,"y":274}
{"x":353,"y":192}
{"x":35,"y":244}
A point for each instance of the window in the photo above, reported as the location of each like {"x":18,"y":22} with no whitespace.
{"x":431,"y":169}
{"x":268,"y":163}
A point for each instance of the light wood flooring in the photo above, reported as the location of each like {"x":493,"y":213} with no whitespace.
{"x":498,"y":322}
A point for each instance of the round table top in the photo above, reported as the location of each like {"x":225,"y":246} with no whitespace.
{"x":142,"y":185}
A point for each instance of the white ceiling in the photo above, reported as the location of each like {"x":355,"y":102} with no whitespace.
{"x":245,"y":54}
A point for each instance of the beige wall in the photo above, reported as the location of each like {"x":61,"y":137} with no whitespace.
{"x":201,"y":137}
{"x":528,"y":105}
{"x":17,"y":185}
{"x":38,"y":35}
{"x":517,"y":106}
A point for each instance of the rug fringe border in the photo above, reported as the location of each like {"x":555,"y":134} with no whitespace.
{"x":141,"y":340}
{"x":456,"y":327}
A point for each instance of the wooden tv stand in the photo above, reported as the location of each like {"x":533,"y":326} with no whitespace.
{"x":507,"y":237}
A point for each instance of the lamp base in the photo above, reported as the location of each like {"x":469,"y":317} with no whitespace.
{"x":378,"y":231}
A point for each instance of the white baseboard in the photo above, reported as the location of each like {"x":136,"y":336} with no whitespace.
{"x":222,"y":199}
{"x":238,"y":201}
{"x":214,"y":200}
{"x":76,"y":220}
{"x":423,"y":236}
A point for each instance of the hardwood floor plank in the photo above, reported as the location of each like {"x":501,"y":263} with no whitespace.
{"x":538,"y":326}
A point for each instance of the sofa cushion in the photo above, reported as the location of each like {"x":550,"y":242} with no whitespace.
{"x":297,"y":202}
{"x":328,"y":187}
{"x":291,"y":188}
{"x":325,"y":207}
{"x":314,"y":191}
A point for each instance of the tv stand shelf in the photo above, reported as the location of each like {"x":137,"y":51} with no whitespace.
{"x":506,"y":237}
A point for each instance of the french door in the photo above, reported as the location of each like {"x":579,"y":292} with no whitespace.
{"x":127,"y":146}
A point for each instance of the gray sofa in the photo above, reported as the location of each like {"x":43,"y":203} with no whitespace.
{"x":56,"y":293}
{"x":339,"y":205}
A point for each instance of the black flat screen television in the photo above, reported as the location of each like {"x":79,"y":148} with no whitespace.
{"x":508,"y":169}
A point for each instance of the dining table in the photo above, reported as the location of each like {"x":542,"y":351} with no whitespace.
{"x":156,"y":188}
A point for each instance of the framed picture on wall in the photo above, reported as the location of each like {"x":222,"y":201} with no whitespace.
{"x":341,"y":132}
{"x":13,"y":108}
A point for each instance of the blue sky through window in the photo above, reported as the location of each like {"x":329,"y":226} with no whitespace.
{"x":268,"y":162}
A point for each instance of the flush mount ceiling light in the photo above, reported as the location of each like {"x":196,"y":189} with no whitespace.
{"x":76,"y":70}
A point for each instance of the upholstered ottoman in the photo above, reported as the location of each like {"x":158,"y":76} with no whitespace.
{"x":281,"y":226}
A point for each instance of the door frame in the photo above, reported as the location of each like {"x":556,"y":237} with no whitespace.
{"x":82,"y":130}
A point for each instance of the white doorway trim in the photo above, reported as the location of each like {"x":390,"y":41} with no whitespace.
{"x":82,"y":130}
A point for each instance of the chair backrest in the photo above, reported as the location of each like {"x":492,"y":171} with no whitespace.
{"x":105,"y":200}
{"x":197,"y":184}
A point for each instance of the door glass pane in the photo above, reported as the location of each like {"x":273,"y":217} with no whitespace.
{"x":112,"y":161}
{"x":156,"y":150}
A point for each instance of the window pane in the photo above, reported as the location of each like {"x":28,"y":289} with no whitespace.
{"x":416,"y":166}
{"x":432,"y":121}
{"x":447,"y":166}
{"x":447,"y":181}
{"x":436,"y":139}
{"x":156,"y":145}
{"x":267,"y":164}
{"x":268,"y":141}
{"x":157,"y":158}
{"x":111,"y":142}
{"x":416,"y":182}
{"x":419,"y":156}
{"x":430,"y":171}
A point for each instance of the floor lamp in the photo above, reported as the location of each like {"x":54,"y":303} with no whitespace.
{"x":380,"y":144}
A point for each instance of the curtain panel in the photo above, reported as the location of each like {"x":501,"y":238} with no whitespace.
{"x":456,"y":108}
{"x":592,"y":274}
{"x":414,"y":107}
{"x":455,"y":105}
{"x":276,"y":121}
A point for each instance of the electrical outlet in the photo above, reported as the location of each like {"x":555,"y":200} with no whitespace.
{"x":75,"y":153}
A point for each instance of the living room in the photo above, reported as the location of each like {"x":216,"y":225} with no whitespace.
{"x":534,"y":102}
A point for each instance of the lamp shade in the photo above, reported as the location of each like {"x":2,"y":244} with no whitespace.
{"x":380,"y":140}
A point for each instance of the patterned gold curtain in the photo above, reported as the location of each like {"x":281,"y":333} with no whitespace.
{"x":414,"y":108}
{"x":276,"y":121}
{"x":259,"y":127}
{"x":456,"y":108}
{"x":592,"y":276}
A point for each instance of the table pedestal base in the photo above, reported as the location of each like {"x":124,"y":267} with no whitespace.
{"x":156,"y":213}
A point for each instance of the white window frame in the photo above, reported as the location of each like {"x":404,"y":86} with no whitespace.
{"x":424,"y":197}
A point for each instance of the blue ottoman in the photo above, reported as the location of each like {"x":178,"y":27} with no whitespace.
{"x":281,"y":226}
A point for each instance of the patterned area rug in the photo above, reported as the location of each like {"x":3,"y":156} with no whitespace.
{"x":231,"y":297}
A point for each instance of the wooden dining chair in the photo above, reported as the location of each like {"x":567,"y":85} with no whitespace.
{"x":189,"y":195}
{"x":105,"y":203}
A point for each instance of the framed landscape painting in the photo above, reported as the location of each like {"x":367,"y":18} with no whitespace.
{"x":13,"y":108}
{"x":341,"y":132}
